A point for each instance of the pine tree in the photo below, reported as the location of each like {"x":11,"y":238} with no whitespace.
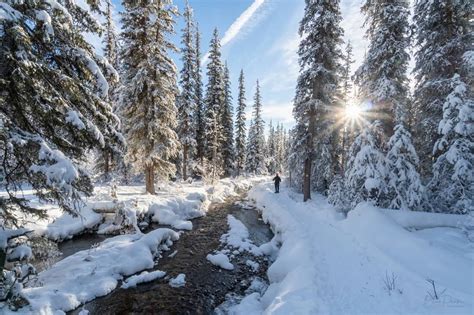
{"x":227,"y":145}
{"x":200,"y":109}
{"x":452,"y":185}
{"x":108,"y":160}
{"x":382,"y":78}
{"x":240,"y":126}
{"x":53,"y":110}
{"x":54,"y":106}
{"x":443,"y":35}
{"x":187,"y":98}
{"x":405,"y":190}
{"x":149,"y":89}
{"x":255,"y":162}
{"x":365,"y":170}
{"x":316,"y":91}
{"x":271,"y":149}
{"x":215,"y":101}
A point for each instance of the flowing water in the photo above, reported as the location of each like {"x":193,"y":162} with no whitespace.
{"x":206,"y":285}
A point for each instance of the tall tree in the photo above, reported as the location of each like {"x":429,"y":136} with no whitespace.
{"x":227,"y":113}
{"x":271,"y":149}
{"x":109,"y":159}
{"x":187,"y":98}
{"x":382,"y":78}
{"x":348,"y":128}
{"x":452,"y":185}
{"x":240,"y":126}
{"x":149,"y":88}
{"x":443,"y":35}
{"x":316,"y":91}
{"x":53,"y":110}
{"x":215,"y":101}
{"x":256,"y":141}
{"x":404,"y":190}
{"x":200,"y":109}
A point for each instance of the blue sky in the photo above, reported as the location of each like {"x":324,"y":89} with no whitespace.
{"x":264,"y":41}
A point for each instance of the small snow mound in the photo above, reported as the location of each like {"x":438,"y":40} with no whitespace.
{"x":143,"y":277}
{"x":220,"y":260}
{"x":179,"y":281}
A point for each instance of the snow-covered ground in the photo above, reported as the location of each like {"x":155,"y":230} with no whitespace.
{"x":372,"y":262}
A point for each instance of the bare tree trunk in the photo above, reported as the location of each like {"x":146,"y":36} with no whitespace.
{"x":307,"y":180}
{"x":185,"y":161}
{"x":150,"y":179}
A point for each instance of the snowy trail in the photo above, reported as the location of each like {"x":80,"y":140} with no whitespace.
{"x":332,"y":265}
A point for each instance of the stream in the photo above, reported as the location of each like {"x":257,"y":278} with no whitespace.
{"x":207,"y":286}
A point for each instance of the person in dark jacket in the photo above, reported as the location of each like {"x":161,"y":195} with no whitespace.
{"x":277,"y":181}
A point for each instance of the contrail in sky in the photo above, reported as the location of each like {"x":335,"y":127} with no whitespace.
{"x":238,"y":24}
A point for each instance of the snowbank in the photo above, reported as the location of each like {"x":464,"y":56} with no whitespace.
{"x":367,"y":263}
{"x":88,"y":274}
{"x":143,"y":277}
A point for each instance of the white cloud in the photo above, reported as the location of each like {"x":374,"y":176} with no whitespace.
{"x":236,"y":27}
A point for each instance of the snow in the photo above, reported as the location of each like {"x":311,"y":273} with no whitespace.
{"x":72,"y":117}
{"x":220,"y":260}
{"x":143,"y":277}
{"x":238,"y":237}
{"x":96,"y":272}
{"x":331,"y":264}
{"x":178,"y":281}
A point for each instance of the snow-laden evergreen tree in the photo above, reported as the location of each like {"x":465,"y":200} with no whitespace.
{"x":108,"y":160}
{"x":227,"y":113}
{"x":404,"y":188}
{"x":187,"y":99}
{"x":452,"y":185}
{"x":240,"y":129}
{"x":270,"y":151}
{"x":443,"y":35}
{"x":382,"y":78}
{"x":317,"y":88}
{"x":215,"y":101}
{"x":365,"y":171}
{"x":53,"y":111}
{"x":255,"y":162}
{"x":337,"y":194}
{"x":199,"y":119}
{"x":149,"y":89}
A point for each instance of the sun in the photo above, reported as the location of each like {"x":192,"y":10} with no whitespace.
{"x":352,"y":112}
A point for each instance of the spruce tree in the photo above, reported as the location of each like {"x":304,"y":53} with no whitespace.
{"x":443,"y":36}
{"x":187,"y":98}
{"x":108,"y":160}
{"x":452,"y":185}
{"x":404,"y":187}
{"x":348,"y":128}
{"x":215,"y":101}
{"x":316,"y":91}
{"x":240,"y":128}
{"x":365,"y":175}
{"x":149,"y":89}
{"x":382,"y":77}
{"x":199,"y":119}
{"x":227,"y":113}
{"x":255,"y":162}
{"x":54,"y":109}
{"x":54,"y":104}
{"x":271,"y":149}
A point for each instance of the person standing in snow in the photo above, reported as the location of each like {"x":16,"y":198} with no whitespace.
{"x":277,"y":181}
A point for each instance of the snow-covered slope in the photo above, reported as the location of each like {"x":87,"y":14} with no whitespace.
{"x":366,"y":263}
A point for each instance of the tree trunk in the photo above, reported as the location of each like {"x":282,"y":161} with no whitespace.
{"x":150,"y":179}
{"x":107,"y":163}
{"x":307,"y":180}
{"x":185,"y":161}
